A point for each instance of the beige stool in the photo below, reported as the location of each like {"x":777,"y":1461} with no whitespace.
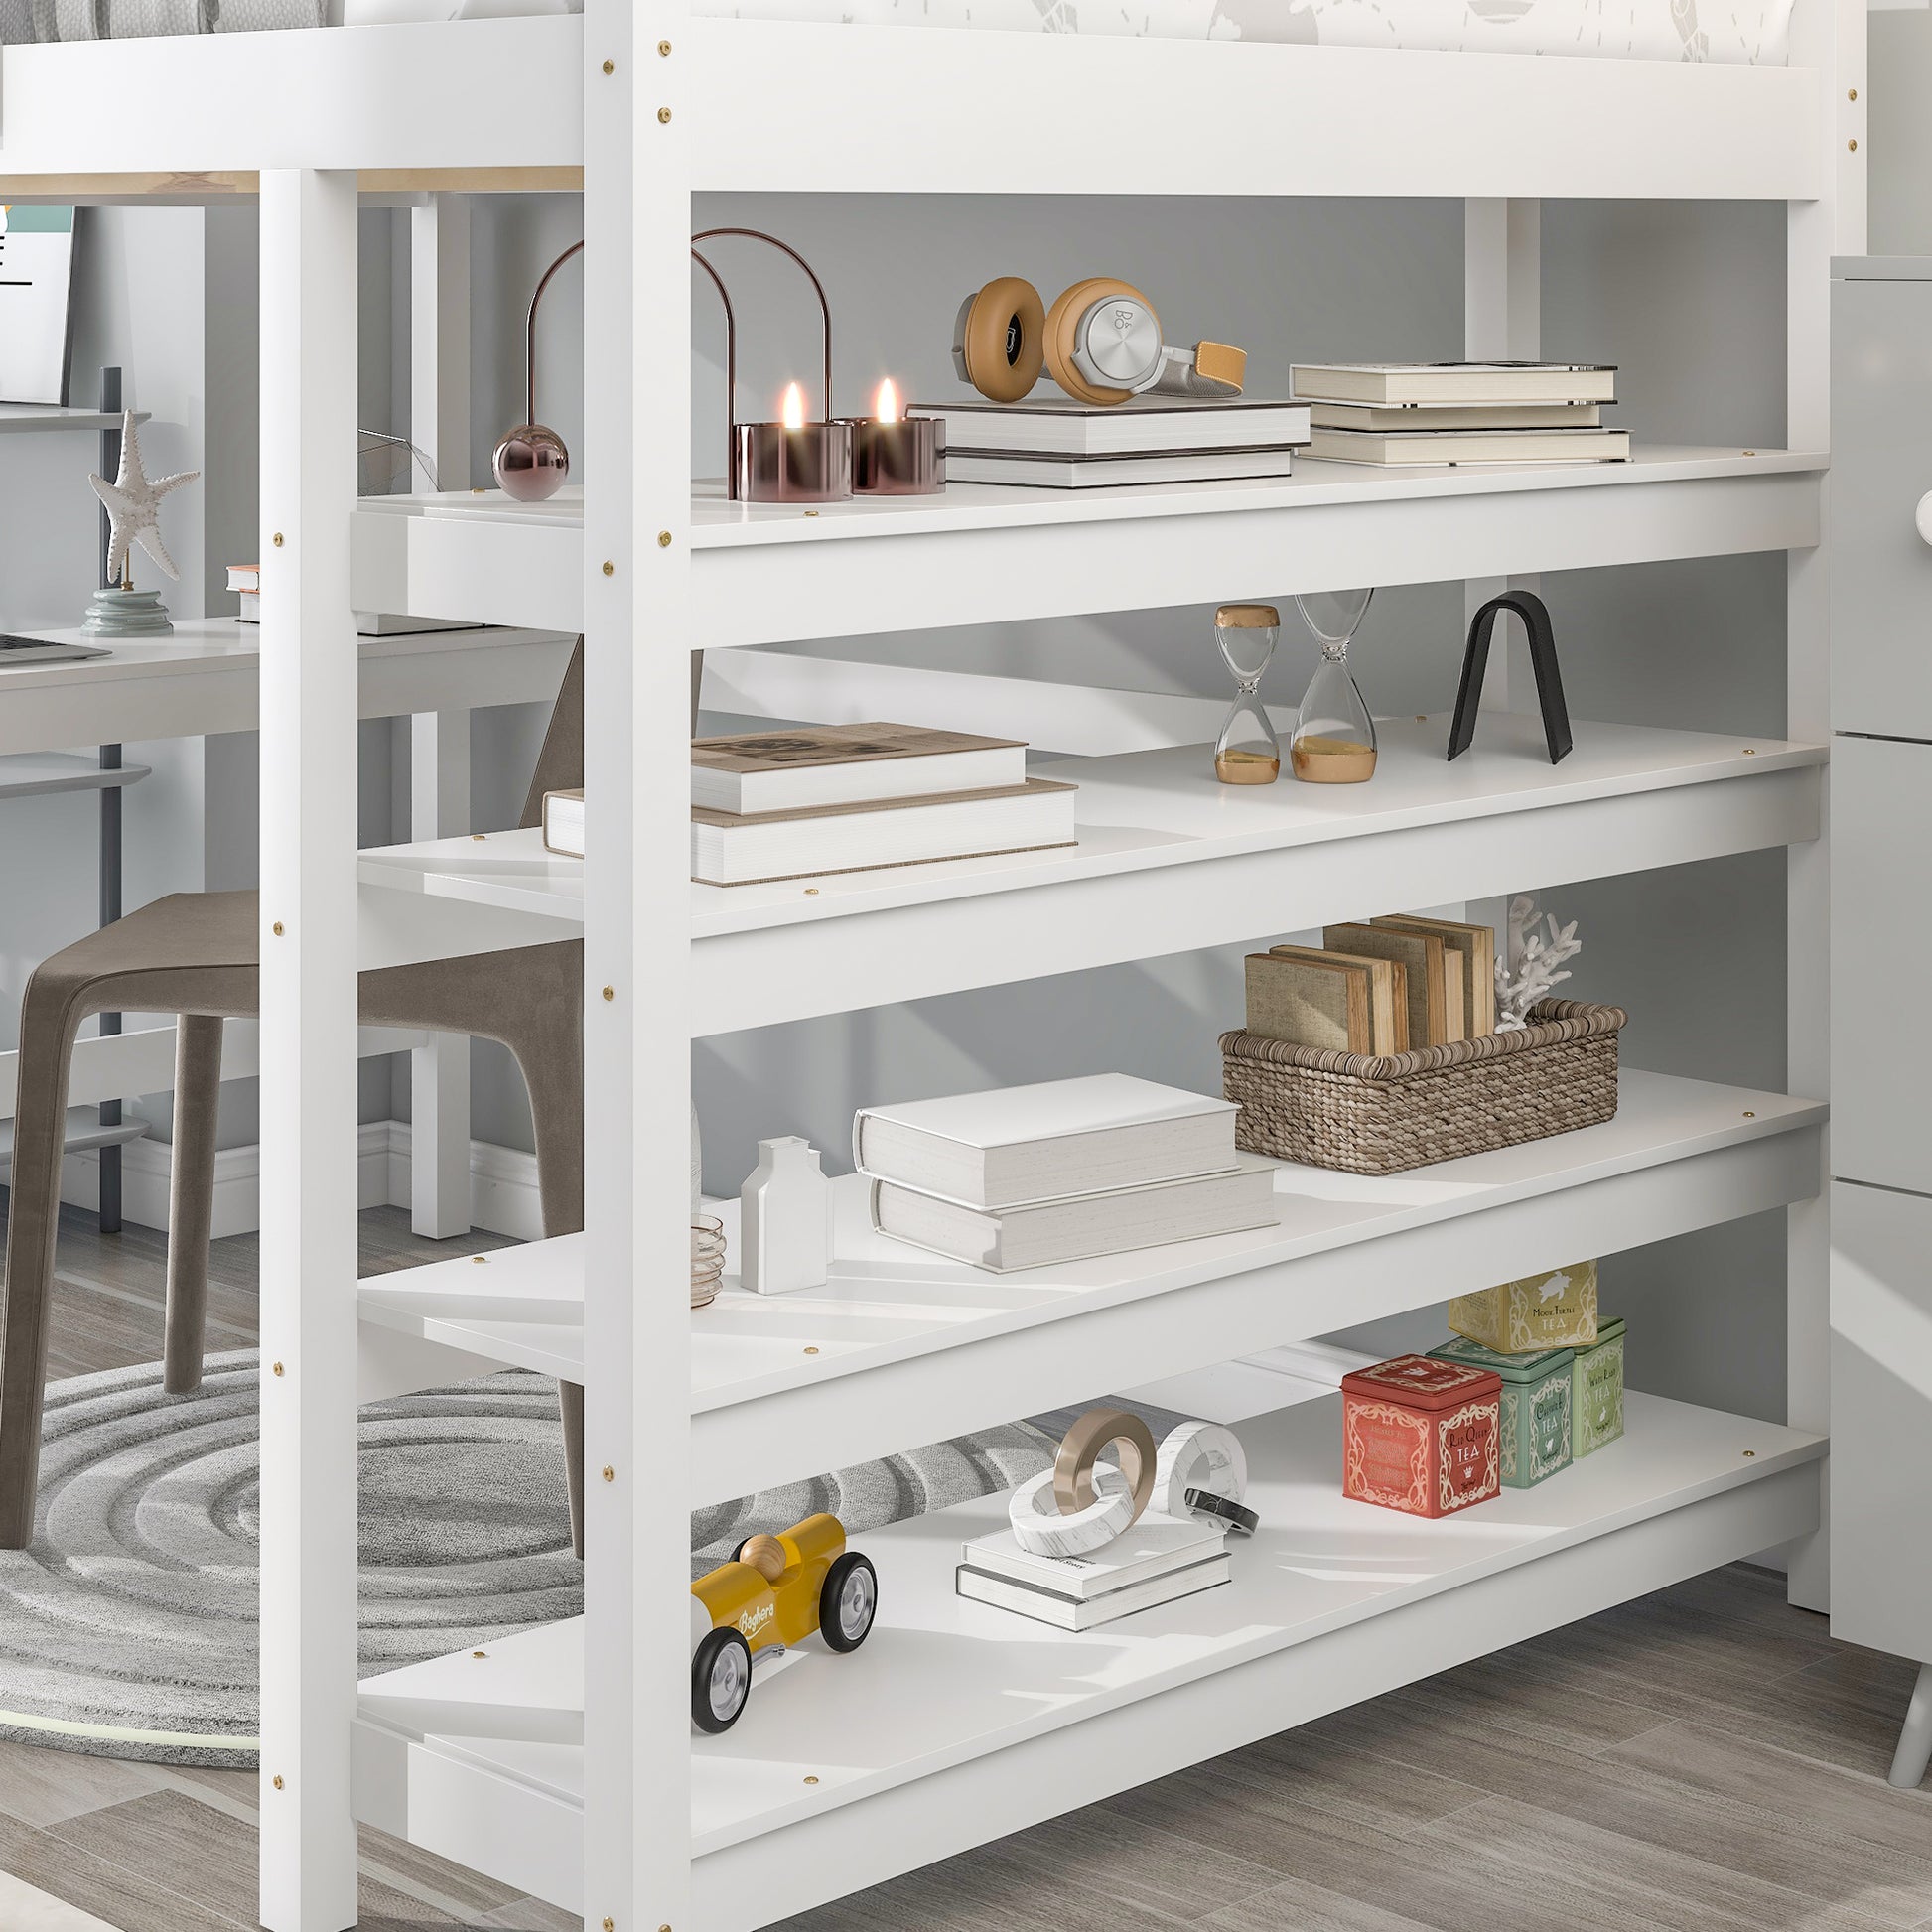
{"x":196,"y":954}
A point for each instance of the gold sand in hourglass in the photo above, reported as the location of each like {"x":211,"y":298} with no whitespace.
{"x":1322,"y":760}
{"x":1238,"y":768}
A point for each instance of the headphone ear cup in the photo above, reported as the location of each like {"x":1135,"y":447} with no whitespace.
{"x":1064,"y":318}
{"x":999,"y":338}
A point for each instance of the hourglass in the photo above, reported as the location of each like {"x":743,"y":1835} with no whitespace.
{"x":1334,"y":738}
{"x":1247,"y":752}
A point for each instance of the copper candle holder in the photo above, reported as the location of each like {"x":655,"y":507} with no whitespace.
{"x":781,"y":463}
{"x":904,"y":455}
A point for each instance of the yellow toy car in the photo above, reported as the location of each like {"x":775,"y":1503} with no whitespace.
{"x":775,"y":1591}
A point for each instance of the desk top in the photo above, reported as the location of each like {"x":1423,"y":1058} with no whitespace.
{"x":205,"y":677}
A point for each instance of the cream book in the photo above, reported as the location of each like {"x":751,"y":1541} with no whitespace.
{"x":1403,"y":416}
{"x":1345,"y":1003}
{"x":1009,"y":1145}
{"x":1043,"y":1234}
{"x":1436,"y":996}
{"x":1066,"y":1614}
{"x":1477,"y":945}
{"x":1141,"y":426}
{"x":842,"y":764}
{"x":1453,"y":382}
{"x":1152,"y":1547}
{"x":1472,"y":446}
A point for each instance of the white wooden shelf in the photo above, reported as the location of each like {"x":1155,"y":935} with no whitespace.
{"x":902,"y":1346}
{"x":24,"y":418}
{"x":769,"y":575}
{"x":957,"y":1722}
{"x":32,"y":775}
{"x":1168,"y":860}
{"x":82,"y":1130}
{"x":415,"y":106}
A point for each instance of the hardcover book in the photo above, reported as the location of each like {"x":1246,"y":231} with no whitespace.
{"x":1116,"y":471}
{"x":1472,"y":446}
{"x":1453,"y":382}
{"x":1152,"y":1546}
{"x":842,"y":764}
{"x":1437,"y":1000}
{"x":1405,"y":416}
{"x":1345,"y":1003}
{"x":1477,"y":945}
{"x":1068,"y":1614}
{"x":1059,"y":426}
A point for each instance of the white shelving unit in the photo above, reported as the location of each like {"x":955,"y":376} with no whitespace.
{"x":562,"y":1762}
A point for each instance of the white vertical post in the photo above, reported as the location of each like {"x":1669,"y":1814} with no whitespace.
{"x":1827,"y":35}
{"x":439,"y":742}
{"x":308,"y":1050}
{"x":1502,"y":321}
{"x":637,"y":359}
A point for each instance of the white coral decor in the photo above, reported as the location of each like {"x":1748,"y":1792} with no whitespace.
{"x":1531,"y":968}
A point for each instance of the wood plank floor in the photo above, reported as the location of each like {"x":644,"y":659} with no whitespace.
{"x":1703,"y":1760}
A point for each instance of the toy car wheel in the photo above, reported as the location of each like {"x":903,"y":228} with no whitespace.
{"x":720,"y":1679}
{"x":848,"y":1601}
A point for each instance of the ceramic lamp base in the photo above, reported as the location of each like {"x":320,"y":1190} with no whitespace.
{"x":126,"y":614}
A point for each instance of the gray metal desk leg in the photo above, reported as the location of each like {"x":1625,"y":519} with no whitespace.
{"x":110,"y":830}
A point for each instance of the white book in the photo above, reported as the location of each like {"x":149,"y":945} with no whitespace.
{"x":844,"y":764}
{"x":1473,"y":445}
{"x":245,"y":577}
{"x":1403,"y":416}
{"x":1115,"y":472}
{"x":1458,"y":382}
{"x":1009,"y":1145}
{"x":1059,"y":426}
{"x":1152,"y":1546}
{"x":751,"y":848}
{"x":1067,"y":1615}
{"x":1046,"y":1233}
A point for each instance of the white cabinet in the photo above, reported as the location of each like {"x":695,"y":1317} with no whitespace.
{"x":1882,"y":1390}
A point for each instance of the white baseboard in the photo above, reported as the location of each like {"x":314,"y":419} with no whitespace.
{"x":503,"y":1197}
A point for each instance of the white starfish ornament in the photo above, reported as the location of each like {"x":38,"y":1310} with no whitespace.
{"x":134,"y":506}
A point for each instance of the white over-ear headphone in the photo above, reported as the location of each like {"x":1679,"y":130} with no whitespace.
{"x":1100,"y":341}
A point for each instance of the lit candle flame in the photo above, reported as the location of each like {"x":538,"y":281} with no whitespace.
{"x":886,"y":404}
{"x":793,"y":408}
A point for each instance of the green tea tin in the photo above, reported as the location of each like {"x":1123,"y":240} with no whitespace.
{"x":1536,"y":1405}
{"x":1597,"y":1401}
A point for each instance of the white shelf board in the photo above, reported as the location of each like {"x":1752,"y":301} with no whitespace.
{"x":1169,"y":860}
{"x":905,"y":1347}
{"x":957,"y":1722}
{"x":205,"y":676}
{"x":769,"y":575}
{"x":30,"y":775}
{"x":23,"y":417}
{"x":405,"y":104}
{"x":82,"y":1131}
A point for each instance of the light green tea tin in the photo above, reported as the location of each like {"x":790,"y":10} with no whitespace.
{"x":1536,"y":1405}
{"x":1597,"y":1401}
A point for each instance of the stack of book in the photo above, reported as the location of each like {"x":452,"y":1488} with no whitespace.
{"x":1461,"y":412}
{"x":1032,"y":1176}
{"x":830,"y":798}
{"x":1387,"y":987}
{"x":1060,"y":444}
{"x":1156,"y":1561}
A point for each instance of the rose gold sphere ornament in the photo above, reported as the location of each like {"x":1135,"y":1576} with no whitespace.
{"x":791,"y":461}
{"x":533,"y":462}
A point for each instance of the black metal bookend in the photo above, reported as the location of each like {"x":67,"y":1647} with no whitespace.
{"x":1542,"y":660}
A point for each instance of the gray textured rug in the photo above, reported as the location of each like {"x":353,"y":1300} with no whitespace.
{"x":129,"y":1629}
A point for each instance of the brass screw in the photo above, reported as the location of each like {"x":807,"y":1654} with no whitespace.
{"x":811,"y":512}
{"x":663,"y":539}
{"x":1422,"y":718}
{"x":1750,"y":452}
{"x":1853,"y":146}
{"x":479,"y":491}
{"x":479,"y":836}
{"x":609,"y":992}
{"x":812,"y":1351}
{"x":480,"y":1653}
{"x":610,"y":569}
{"x":1750,"y":750}
{"x":610,"y":67}
{"x":1851,"y":93}
{"x":480,"y":1258}
{"x":610,"y":1474}
{"x":276,"y":929}
{"x":278,"y":1368}
{"x":278,"y":1780}
{"x":664,"y":47}
{"x":276,"y":539}
{"x":663,"y":113}
{"x":1751,"y":1453}
{"x":811,"y":1781}
{"x":1749,"y":1115}
{"x":811,"y":891}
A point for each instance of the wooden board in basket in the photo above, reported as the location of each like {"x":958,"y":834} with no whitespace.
{"x":1369,"y":1113}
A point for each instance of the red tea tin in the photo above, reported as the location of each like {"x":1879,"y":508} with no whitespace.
{"x":1421,"y":1435}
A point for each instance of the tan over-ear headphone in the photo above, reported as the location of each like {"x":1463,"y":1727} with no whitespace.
{"x":1100,"y":341}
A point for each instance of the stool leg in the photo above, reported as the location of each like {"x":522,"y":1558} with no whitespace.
{"x":191,"y":1207}
{"x":46,"y":1029}
{"x":569,"y":1399}
{"x":1915,"y":1739}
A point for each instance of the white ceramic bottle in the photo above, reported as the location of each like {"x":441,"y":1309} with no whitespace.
{"x":785,"y":1239}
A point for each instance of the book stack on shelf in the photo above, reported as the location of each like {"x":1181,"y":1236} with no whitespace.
{"x":1059,"y":443}
{"x":833,"y":798}
{"x":1389,"y":413}
{"x":1158,"y":1560}
{"x":1035,"y":1176}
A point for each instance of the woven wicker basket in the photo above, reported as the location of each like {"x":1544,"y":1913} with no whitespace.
{"x":1381,"y":1114}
